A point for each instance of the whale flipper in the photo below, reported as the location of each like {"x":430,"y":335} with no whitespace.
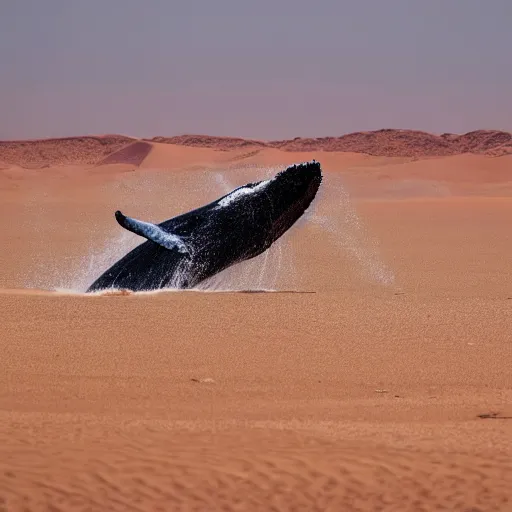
{"x":152,"y":232}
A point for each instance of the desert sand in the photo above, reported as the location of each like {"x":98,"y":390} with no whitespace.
{"x":372,"y":372}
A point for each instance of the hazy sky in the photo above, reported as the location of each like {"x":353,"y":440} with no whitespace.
{"x":264,"y":69}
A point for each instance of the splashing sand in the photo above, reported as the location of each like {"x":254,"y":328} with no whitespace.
{"x":332,"y":214}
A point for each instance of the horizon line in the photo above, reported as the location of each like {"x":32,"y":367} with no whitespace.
{"x":259,"y":140}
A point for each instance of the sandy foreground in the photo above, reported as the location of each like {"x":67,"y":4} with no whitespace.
{"x":376,"y":377}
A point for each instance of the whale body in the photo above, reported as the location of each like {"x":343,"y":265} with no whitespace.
{"x":187,"y":249}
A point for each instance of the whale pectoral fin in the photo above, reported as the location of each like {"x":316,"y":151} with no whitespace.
{"x":152,"y":232}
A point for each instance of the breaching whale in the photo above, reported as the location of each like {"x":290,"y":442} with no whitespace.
{"x":187,"y":249}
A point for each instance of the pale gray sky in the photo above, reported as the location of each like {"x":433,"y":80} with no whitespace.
{"x":264,"y":69}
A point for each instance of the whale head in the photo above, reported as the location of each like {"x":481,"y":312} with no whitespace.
{"x":290,"y":193}
{"x":276,"y":203}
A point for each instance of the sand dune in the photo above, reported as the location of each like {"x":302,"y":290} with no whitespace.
{"x":410,"y":143}
{"x":64,"y":151}
{"x":382,"y":383}
{"x":109,"y":149}
{"x":132,"y":154}
{"x":389,"y":142}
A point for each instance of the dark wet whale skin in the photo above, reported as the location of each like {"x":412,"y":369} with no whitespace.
{"x":234,"y":228}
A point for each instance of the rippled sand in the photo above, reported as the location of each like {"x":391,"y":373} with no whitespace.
{"x":382,"y":383}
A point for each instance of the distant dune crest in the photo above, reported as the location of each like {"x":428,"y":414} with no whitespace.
{"x":387,"y":142}
{"x":64,"y":151}
{"x":107,"y":149}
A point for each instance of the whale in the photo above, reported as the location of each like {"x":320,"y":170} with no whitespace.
{"x":185,"y":250}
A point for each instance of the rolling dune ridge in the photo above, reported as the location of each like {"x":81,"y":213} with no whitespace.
{"x":110,"y":149}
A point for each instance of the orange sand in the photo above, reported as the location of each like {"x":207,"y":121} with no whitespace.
{"x":388,"y":388}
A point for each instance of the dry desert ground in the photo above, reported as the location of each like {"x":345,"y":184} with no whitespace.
{"x":376,"y":376}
